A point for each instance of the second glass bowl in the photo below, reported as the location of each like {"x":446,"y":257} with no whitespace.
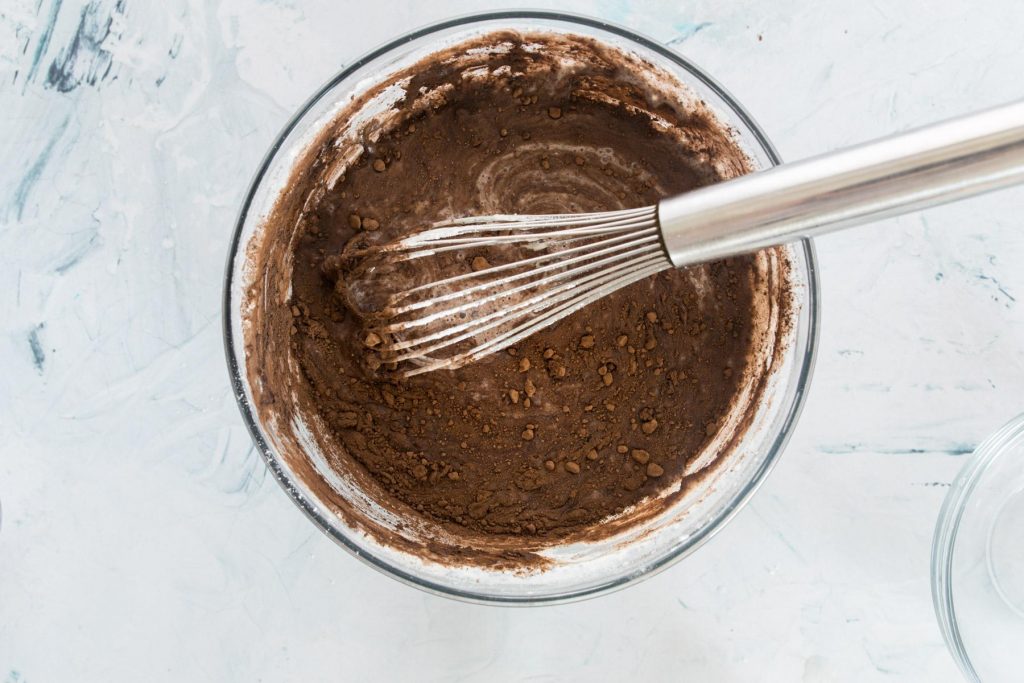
{"x":978,"y":560}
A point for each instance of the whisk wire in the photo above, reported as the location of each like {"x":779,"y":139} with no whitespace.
{"x":445,"y":244}
{"x":477,"y":299}
{"x":556,"y":265}
{"x":534,"y":266}
{"x":519,"y":222}
{"x":531,"y":305}
{"x":550,"y":317}
{"x":536,"y":260}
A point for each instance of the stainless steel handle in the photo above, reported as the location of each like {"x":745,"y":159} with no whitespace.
{"x":924,"y":167}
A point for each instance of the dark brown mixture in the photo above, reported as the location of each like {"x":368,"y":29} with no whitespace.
{"x":582,"y":420}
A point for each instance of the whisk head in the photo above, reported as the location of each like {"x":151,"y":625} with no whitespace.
{"x":468,"y":287}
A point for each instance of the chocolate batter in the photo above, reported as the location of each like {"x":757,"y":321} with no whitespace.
{"x":581,"y":421}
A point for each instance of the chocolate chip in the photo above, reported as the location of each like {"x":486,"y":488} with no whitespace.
{"x":379,"y":166}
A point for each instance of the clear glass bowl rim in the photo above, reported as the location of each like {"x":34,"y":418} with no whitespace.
{"x":238,"y":380}
{"x":946,"y":530}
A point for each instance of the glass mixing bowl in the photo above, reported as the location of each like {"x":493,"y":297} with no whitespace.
{"x":978,"y":560}
{"x":577,"y":569}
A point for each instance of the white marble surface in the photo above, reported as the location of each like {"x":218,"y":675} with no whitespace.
{"x":141,"y":538}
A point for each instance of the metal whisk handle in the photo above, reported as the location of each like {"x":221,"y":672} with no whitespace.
{"x":894,"y":175}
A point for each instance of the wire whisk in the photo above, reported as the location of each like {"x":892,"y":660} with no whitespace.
{"x":537,"y":270}
{"x":468,"y":287}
